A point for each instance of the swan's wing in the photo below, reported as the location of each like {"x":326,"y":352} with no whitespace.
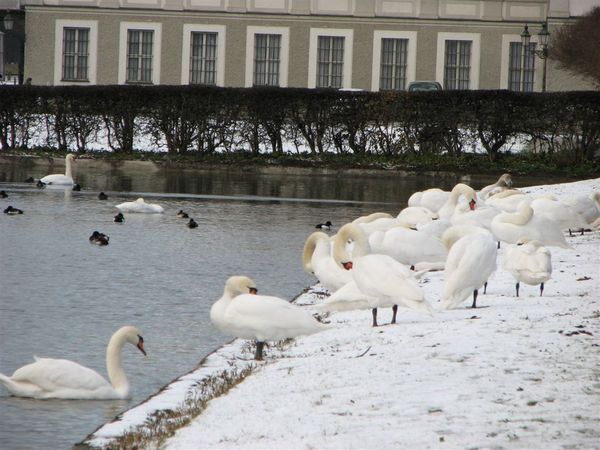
{"x":56,"y":374}
{"x":382,"y":275}
{"x":346,"y":298}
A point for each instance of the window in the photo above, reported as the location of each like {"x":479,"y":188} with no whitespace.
{"x":457,"y":60}
{"x":139,"y":52}
{"x":139,"y":56}
{"x":203,"y":58}
{"x":521,"y":67}
{"x":457,"y":65}
{"x":330,"y":61}
{"x":75,"y":51}
{"x":394,"y":57}
{"x":267,"y":48}
{"x":330,"y":58}
{"x":75,"y":54}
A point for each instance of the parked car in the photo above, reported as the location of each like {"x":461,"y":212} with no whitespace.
{"x":414,"y":86}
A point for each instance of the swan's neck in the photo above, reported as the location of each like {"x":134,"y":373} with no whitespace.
{"x":521,"y":217}
{"x":350,"y":232}
{"x":316,"y":247}
{"x":68,"y":170}
{"x":114,"y":367}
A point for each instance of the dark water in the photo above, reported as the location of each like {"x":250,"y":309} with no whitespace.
{"x":62,"y":297}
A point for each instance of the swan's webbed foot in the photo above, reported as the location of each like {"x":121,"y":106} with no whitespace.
{"x":374,"y":312}
{"x":394,"y":311}
{"x":474,"y":305}
{"x":258,"y":354}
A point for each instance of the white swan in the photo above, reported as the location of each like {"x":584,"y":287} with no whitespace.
{"x":347,"y":298}
{"x":59,"y":178}
{"x":61,"y":378}
{"x":507,"y":200}
{"x":317,"y":260}
{"x":564,"y":215}
{"x":461,"y":189}
{"x":510,"y":227}
{"x":471,"y":260}
{"x":385,"y":281}
{"x":481,"y":217}
{"x":408,"y":246}
{"x":432,"y":199}
{"x":504,"y":183}
{"x":140,"y":206}
{"x":530,"y":262}
{"x":588,"y":206}
{"x":243,"y":314}
{"x":415,"y":215}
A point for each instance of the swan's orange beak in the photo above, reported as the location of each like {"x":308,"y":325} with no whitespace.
{"x":140,"y":346}
{"x":472,"y":205}
{"x":253,"y":291}
{"x":347,"y":265}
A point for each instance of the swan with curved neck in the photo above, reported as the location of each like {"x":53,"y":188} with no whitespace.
{"x":384,"y":281}
{"x":447,"y":210}
{"x":504,"y":183}
{"x":64,"y":379}
{"x":240,"y":312}
{"x":432,"y":199}
{"x":60,"y":179}
{"x":528,"y":262}
{"x":317,"y":260}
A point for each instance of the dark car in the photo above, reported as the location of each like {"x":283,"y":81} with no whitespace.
{"x":414,"y":86}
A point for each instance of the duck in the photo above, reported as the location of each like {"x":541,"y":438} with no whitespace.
{"x":140,"y":206}
{"x":10,"y":210}
{"x":98,"y":238}
{"x":317,"y":260}
{"x":504,"y":183}
{"x":385,"y":281}
{"x":242,"y":313}
{"x":3,"y":194}
{"x":528,"y":261}
{"x":64,"y":379}
{"x":60,"y":179}
{"x":102,"y":196}
{"x":40,"y":185}
{"x":30,"y":180}
{"x":182,"y":215}
{"x":119,"y":218}
{"x":76,"y":187}
{"x":192,"y":224}
{"x":510,"y":227}
{"x":471,"y":260}
{"x":324,"y":226}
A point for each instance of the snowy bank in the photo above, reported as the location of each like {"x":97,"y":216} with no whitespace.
{"x":516,"y":373}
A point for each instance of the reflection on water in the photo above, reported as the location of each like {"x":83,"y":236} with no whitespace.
{"x":62,"y":297}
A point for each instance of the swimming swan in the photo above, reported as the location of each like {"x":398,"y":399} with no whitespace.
{"x":64,"y":379}
{"x":243,"y":314}
{"x":140,"y":206}
{"x":530,"y":262}
{"x":60,"y":179}
{"x":385,"y":281}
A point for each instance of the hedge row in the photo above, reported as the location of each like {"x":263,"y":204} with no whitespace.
{"x":207,"y":120}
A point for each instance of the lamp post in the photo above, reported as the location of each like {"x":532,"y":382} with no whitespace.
{"x":542,"y":52}
{"x":8,"y":22}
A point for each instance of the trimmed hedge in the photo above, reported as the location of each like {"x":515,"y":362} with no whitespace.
{"x":206,"y":120}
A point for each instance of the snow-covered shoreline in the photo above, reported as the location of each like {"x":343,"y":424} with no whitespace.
{"x":517,"y":373}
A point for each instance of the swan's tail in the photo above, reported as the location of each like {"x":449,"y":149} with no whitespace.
{"x":421,"y":306}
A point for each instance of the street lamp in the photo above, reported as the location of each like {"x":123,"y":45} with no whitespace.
{"x":542,"y":52}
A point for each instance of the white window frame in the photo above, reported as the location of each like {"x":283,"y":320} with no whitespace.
{"x":251,"y":31}
{"x":506,"y":40}
{"x":411,"y":66}
{"x":312,"y":54}
{"x":156,"y":48}
{"x":188,"y":29}
{"x":475,"y":38}
{"x":59,"y":27}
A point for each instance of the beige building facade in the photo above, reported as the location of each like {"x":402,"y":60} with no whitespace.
{"x":348,"y":44}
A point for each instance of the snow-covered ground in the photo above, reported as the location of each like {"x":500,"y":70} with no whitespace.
{"x":516,"y":373}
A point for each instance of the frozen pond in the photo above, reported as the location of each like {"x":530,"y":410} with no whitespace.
{"x":62,"y":297}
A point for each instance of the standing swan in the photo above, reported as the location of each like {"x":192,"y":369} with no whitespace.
{"x":530,"y":262}
{"x":60,"y":179}
{"x":317,"y":260}
{"x":64,"y":379}
{"x":243,"y":314}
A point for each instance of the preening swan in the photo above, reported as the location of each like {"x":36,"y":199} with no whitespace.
{"x":416,"y":215}
{"x":61,"y":378}
{"x":530,"y":262}
{"x":448,"y":208}
{"x":504,"y":183}
{"x":588,"y":206}
{"x":385,"y":281}
{"x":471,"y":260}
{"x":240,"y":312}
{"x":140,"y":206}
{"x":317,"y":259}
{"x":60,"y":179}
{"x":565,"y":216}
{"x":507,"y":200}
{"x":510,"y":227}
{"x":432,"y":199}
